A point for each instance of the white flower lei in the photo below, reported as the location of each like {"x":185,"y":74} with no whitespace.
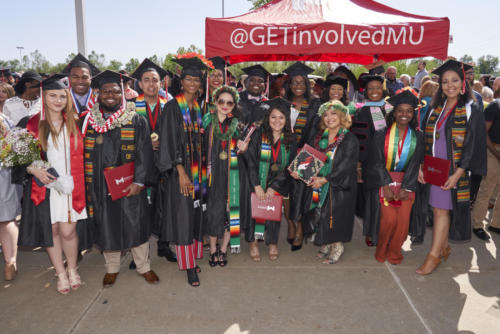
{"x":117,"y":120}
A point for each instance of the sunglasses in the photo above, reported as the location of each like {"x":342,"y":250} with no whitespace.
{"x":224,"y":102}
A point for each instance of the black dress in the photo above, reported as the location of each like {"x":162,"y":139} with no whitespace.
{"x":340,"y":200}
{"x":378,"y":176}
{"x":123,"y":223}
{"x":217,"y":218}
{"x":181,"y":219}
{"x":279,"y":180}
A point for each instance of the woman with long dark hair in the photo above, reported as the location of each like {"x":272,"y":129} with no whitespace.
{"x":451,"y":133}
{"x":54,"y":202}
{"x":270,"y":151}
{"x":335,"y":89}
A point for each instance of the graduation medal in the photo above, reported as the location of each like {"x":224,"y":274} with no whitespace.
{"x":154,"y":136}
{"x":275,"y":167}
{"x":223,"y":155}
{"x":99,"y":140}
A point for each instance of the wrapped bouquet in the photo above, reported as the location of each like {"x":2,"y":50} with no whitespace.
{"x":18,"y":147}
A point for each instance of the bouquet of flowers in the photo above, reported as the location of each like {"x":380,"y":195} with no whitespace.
{"x":18,"y":148}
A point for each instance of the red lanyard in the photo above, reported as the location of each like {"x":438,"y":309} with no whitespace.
{"x":401,"y":143}
{"x":152,"y":121}
{"x":222,"y":143}
{"x":443,"y":119}
{"x":275,"y":153}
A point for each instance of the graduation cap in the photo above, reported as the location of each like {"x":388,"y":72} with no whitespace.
{"x":404,"y":97}
{"x":192,"y":66}
{"x":280,"y":104}
{"x":452,"y":65}
{"x":298,"y":68}
{"x":367,"y":78}
{"x":348,"y":73}
{"x":54,"y":82}
{"x":256,"y":71}
{"x":219,"y":63}
{"x":81,"y":61}
{"x":335,"y":80}
{"x":108,"y":76}
{"x":148,"y":66}
{"x":5,"y":72}
{"x":27,"y":76}
{"x":377,"y":70}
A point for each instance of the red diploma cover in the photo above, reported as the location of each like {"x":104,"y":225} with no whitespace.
{"x":307,"y":163}
{"x":118,"y":179}
{"x":436,"y":170}
{"x":266,"y":210}
{"x":395,"y":185}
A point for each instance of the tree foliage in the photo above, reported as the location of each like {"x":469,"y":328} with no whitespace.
{"x":487,"y":64}
{"x":258,"y":3}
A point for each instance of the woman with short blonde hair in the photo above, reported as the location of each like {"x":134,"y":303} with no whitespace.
{"x":6,"y":92}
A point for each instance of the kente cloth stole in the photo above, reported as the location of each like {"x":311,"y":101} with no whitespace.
{"x":127,"y":154}
{"x":301,"y":121}
{"x":265,"y":159}
{"x":391,"y":149}
{"x":234,"y":198}
{"x":458,"y":132}
{"x":198,"y":167}
{"x":140,"y":106}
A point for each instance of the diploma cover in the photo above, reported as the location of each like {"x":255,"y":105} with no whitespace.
{"x":118,"y":179}
{"x":307,"y":163}
{"x":436,"y":170}
{"x":268,"y":209}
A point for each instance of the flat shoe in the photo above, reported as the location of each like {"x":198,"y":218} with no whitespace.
{"x":109,"y":280}
{"x":151,"y":277}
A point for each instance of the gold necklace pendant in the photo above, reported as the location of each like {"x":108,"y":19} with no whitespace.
{"x":275,"y":167}
{"x":99,"y":140}
{"x":223,"y":155}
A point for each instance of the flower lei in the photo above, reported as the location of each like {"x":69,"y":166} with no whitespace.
{"x":227,"y":89}
{"x":117,"y":119}
{"x":229,"y":133}
{"x":204,"y":60}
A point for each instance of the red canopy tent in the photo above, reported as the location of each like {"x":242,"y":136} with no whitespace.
{"x":351,"y":31}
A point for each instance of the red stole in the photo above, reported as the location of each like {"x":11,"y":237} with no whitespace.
{"x":76,"y":158}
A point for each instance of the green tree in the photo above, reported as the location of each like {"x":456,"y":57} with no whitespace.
{"x":258,"y":3}
{"x":132,"y":65}
{"x":466,"y":59}
{"x":115,"y":65}
{"x":487,"y":64}
{"x":98,"y":60}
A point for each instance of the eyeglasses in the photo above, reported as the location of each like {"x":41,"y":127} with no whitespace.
{"x":111,"y":92}
{"x":222,"y":102}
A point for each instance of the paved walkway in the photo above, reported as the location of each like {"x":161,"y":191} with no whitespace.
{"x":296,"y":294}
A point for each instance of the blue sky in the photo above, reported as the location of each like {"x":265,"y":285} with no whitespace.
{"x":122,"y":29}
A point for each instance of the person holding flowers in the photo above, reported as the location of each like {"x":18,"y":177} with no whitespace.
{"x":332,"y":194}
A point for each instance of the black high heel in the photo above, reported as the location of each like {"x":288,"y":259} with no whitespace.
{"x":289,"y":240}
{"x":223,"y":256}
{"x":193,"y":279}
{"x":297,"y":247}
{"x":213,"y":259}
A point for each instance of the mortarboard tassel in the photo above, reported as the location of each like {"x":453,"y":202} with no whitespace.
{"x":42,"y":112}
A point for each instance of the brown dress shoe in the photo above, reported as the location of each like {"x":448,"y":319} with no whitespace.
{"x":10,"y":271}
{"x":109,"y":280}
{"x":151,"y":277}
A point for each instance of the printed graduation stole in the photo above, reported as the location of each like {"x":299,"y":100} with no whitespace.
{"x":265,"y":158}
{"x":458,"y":132}
{"x":140,"y":107}
{"x":378,"y":117}
{"x":234,"y":198}
{"x":127,"y":154}
{"x":391,"y":149}
{"x":301,"y":121}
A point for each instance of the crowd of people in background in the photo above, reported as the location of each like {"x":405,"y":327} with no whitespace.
{"x":202,"y":142}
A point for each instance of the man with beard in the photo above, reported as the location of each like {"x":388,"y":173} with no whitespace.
{"x":117,"y":135}
{"x":80,"y":72}
{"x":150,"y":105}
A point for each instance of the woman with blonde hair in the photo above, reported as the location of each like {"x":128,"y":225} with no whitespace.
{"x":54,"y":195}
{"x":330,"y":199}
{"x":6,"y":92}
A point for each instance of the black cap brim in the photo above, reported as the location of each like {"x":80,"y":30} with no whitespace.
{"x":81,"y":61}
{"x":298,"y":68}
{"x":148,"y":66}
{"x":108,"y":76}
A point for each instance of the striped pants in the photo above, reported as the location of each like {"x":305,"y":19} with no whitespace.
{"x":187,"y":254}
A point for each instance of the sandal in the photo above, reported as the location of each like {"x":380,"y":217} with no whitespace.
{"x":62,"y":283}
{"x":198,"y":269}
{"x":193,"y":279}
{"x":273,"y":252}
{"x":323,"y":251}
{"x":336,"y":251}
{"x":222,"y":258}
{"x":74,"y":279}
{"x":254,"y":251}
{"x":213,"y":259}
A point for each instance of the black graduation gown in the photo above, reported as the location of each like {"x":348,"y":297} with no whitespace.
{"x":250,"y":111}
{"x":460,"y":216}
{"x":35,"y":228}
{"x":363,"y":128}
{"x":180,"y":221}
{"x":217,"y":215}
{"x":280,"y":181}
{"x":342,"y":188}
{"x":378,"y":176}
{"x":123,"y":223}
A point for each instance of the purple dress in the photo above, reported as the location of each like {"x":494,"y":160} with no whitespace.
{"x":440,"y":198}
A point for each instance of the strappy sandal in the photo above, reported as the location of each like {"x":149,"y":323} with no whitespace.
{"x":336,"y":251}
{"x":62,"y":283}
{"x":74,"y":279}
{"x":273,"y":252}
{"x":323,"y":251}
{"x":222,"y":259}
{"x":213,"y":259}
{"x":193,"y":279}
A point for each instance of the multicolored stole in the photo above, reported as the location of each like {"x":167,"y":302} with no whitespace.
{"x":265,"y":159}
{"x":234,"y":198}
{"x":198,"y":168}
{"x":141,"y":108}
{"x":458,"y":132}
{"x":398,"y":155}
{"x":301,"y":121}
{"x":127,"y":154}
{"x":378,"y":116}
